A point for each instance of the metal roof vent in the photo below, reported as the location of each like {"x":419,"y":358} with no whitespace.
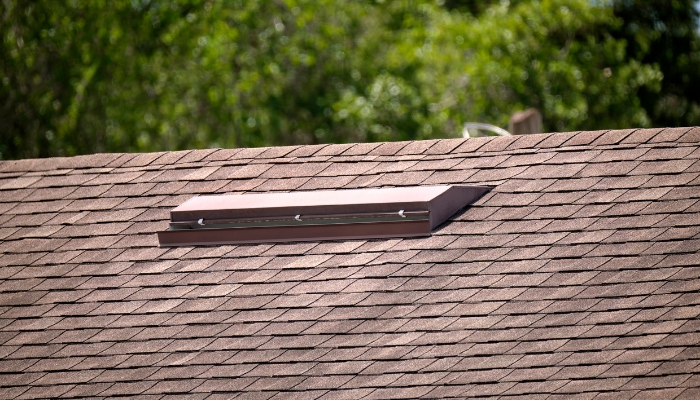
{"x":320,"y":215}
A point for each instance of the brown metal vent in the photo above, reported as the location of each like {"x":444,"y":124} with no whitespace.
{"x":321,"y":215}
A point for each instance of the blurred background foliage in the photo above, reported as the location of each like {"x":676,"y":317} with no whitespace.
{"x":86,"y":76}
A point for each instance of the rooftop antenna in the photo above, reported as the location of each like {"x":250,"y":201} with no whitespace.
{"x":471,"y":129}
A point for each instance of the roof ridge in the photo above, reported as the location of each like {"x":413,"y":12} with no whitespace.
{"x":430,"y":147}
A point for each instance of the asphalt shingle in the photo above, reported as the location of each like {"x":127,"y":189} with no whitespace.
{"x":575,"y":277}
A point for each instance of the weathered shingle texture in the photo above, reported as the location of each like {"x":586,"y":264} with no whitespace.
{"x":577,"y":276}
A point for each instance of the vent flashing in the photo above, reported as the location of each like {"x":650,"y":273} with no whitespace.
{"x":319,"y":215}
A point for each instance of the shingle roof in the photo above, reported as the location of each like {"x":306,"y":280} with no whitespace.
{"x":577,"y":276}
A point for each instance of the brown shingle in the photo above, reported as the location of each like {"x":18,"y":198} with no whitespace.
{"x":574,"y":277}
{"x":669,"y":135}
{"x":444,"y":146}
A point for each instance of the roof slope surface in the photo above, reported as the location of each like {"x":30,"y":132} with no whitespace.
{"x":577,"y":276}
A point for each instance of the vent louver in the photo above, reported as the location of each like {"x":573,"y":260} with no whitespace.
{"x":319,"y":215}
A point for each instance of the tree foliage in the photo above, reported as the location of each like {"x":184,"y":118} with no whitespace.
{"x":83,"y":76}
{"x":665,"y":34}
{"x":557,"y":56}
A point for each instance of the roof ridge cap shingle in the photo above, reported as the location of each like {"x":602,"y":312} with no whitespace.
{"x":436,"y":147}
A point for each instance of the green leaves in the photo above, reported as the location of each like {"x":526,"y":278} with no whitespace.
{"x":556,"y":56}
{"x":94,"y":76}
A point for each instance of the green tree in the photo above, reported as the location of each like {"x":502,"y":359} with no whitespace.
{"x":665,"y":34}
{"x":91,"y":76}
{"x":86,"y":76}
{"x":556,"y":56}
{"x":73,"y":72}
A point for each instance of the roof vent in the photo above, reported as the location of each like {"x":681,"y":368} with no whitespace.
{"x":320,"y":215}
